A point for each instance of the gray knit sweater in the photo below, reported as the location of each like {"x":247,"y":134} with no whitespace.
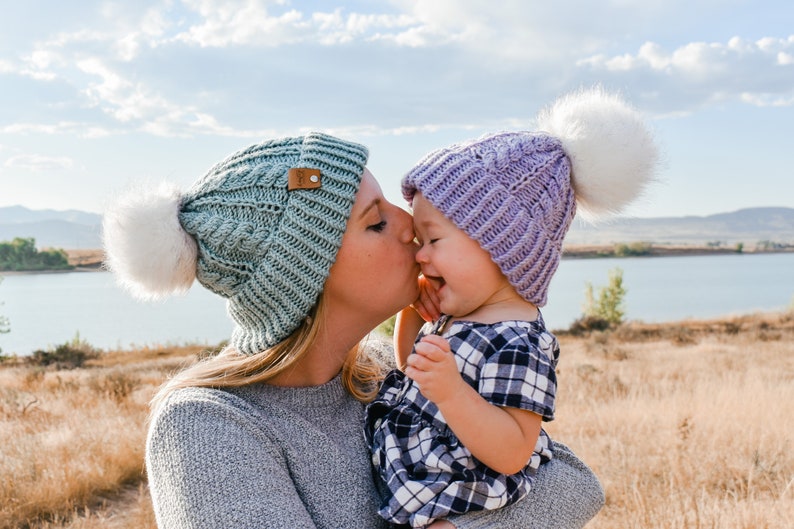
{"x":272,"y":457}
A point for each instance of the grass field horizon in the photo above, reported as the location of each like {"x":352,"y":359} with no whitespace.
{"x":687,"y":424}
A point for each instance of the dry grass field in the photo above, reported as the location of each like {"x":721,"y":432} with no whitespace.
{"x":688,"y":425}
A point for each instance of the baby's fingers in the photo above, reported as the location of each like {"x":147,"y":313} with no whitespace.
{"x":435,"y":348}
{"x":438,"y":341}
{"x":423,"y":311}
{"x":428,"y":298}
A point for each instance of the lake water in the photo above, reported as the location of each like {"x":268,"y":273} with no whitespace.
{"x":49,"y":309}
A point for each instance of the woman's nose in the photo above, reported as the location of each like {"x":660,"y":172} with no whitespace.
{"x":406,"y":225}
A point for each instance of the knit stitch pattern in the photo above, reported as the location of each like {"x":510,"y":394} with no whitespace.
{"x":271,"y":457}
{"x":511,"y":192}
{"x":266,"y":249}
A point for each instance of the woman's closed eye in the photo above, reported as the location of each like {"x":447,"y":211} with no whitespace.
{"x":377,"y":227}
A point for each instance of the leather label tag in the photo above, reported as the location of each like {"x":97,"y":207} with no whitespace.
{"x":304,"y":178}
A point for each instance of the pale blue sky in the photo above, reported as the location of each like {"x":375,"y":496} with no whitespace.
{"x":96,"y":94}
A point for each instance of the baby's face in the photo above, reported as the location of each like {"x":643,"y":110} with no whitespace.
{"x":462,"y":273}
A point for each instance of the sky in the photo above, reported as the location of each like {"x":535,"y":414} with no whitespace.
{"x":95,"y":95}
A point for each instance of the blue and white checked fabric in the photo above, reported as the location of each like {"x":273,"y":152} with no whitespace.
{"x":426,"y":470}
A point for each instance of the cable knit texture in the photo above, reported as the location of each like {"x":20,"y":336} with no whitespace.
{"x":266,"y":249}
{"x":511,"y":192}
{"x":269,"y":457}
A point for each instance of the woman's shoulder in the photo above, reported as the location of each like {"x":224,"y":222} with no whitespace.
{"x":199,"y":396}
{"x":199,"y":404}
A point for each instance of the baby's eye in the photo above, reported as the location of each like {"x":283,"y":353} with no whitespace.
{"x":377,"y":227}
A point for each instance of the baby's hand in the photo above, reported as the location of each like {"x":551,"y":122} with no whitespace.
{"x":427,"y":304}
{"x":432,"y":366}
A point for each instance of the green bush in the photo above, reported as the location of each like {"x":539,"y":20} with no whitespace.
{"x":633,"y":249}
{"x":609,"y":304}
{"x":587,"y":324}
{"x":69,"y":355}
{"x":21,"y":254}
{"x":387,"y":327}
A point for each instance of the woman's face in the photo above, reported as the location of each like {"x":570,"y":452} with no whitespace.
{"x":375,"y":273}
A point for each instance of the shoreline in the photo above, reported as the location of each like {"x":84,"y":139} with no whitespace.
{"x":92,"y":260}
{"x":621,"y":250}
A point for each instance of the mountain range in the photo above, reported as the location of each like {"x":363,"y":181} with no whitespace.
{"x":748,"y":226}
{"x":73,"y":229}
{"x":69,"y":229}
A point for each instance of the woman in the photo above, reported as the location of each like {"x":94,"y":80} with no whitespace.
{"x":297,"y":235}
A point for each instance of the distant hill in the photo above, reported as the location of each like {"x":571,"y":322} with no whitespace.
{"x":747,"y":226}
{"x":52,"y":229}
{"x":73,"y":229}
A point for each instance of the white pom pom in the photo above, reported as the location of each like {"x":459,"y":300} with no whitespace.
{"x":612,"y":151}
{"x":146,"y":247}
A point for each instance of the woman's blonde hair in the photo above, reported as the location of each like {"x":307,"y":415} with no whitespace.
{"x":361,"y":371}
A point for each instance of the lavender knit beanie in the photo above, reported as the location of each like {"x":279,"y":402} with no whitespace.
{"x":516,"y":193}
{"x":262,"y":229}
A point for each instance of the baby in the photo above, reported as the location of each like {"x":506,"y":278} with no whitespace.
{"x":458,"y":426}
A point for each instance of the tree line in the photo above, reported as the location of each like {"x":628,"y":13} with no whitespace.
{"x":21,"y":255}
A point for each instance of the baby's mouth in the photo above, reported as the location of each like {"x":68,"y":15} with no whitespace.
{"x":437,"y":281}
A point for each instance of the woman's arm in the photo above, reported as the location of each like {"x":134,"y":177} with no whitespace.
{"x":502,"y":438}
{"x":208,"y":468}
{"x":565,"y":495}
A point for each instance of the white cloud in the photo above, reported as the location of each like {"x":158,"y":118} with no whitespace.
{"x":37,"y":162}
{"x":785,"y":59}
{"x":407,"y":65}
{"x":241,"y":22}
{"x":6,"y":67}
{"x":251,"y":23}
{"x":758,"y":72}
{"x":134,"y":103}
{"x":768,"y":100}
{"x":80,"y":130}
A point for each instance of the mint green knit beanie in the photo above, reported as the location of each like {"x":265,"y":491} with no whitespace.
{"x":262,"y":229}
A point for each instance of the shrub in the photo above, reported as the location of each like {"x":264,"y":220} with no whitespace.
{"x":387,"y":327}
{"x":21,"y":254}
{"x":586,"y":324}
{"x":632,"y":250}
{"x":115,"y":384}
{"x":69,"y":355}
{"x":609,"y":304}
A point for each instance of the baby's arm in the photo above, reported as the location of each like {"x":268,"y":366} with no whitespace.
{"x":406,"y":327}
{"x":502,"y":438}
{"x":410,"y":320}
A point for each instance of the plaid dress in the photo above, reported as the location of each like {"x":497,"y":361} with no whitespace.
{"x":427,"y":473}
